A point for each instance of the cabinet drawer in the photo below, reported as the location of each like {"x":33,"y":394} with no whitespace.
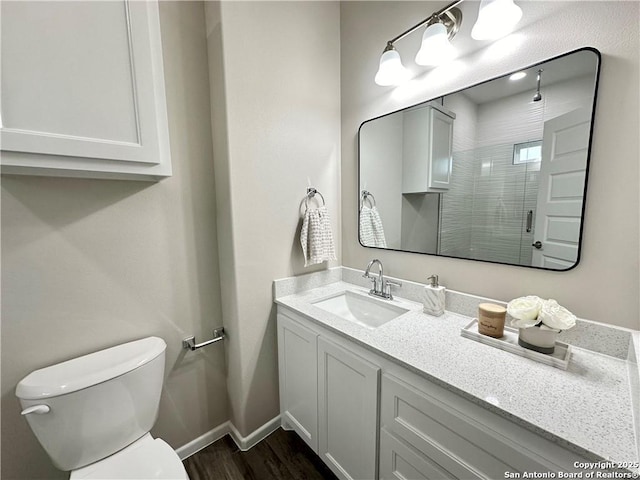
{"x":455,"y":438}
{"x":398,"y":461}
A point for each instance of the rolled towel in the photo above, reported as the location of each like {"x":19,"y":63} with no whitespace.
{"x":316,"y":237}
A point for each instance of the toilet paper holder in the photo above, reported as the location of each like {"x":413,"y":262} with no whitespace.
{"x":190,"y":342}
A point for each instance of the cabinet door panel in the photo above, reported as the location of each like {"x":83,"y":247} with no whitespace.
{"x":347,"y":412}
{"x":297,"y":357}
{"x":427,"y":144}
{"x":441,"y":148}
{"x":83,"y":89}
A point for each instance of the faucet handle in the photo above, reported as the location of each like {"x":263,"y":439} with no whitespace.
{"x":387,"y":288}
{"x":373,"y":280}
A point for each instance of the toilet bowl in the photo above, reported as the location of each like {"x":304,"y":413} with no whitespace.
{"x":93,"y":414}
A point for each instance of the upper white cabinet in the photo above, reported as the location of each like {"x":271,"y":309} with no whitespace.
{"x":83,"y":90}
{"x":427,"y":148}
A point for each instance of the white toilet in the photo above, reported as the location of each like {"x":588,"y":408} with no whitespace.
{"x":93,"y":414}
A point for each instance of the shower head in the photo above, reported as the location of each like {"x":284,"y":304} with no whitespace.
{"x":537,"y":97}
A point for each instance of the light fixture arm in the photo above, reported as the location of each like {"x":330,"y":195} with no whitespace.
{"x":451,"y":18}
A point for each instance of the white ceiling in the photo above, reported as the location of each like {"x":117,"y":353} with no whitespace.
{"x":558,"y":70}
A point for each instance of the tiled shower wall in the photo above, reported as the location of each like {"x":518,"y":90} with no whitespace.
{"x":483,"y":214}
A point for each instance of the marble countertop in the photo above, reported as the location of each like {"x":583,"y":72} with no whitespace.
{"x":588,"y":407}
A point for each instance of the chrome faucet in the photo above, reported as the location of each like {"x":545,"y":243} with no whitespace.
{"x":381,"y":286}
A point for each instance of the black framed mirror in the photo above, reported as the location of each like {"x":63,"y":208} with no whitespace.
{"x":496,"y":172}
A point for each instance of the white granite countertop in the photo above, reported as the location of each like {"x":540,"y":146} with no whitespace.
{"x":587,"y":407}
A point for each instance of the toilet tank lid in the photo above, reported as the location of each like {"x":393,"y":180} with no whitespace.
{"x":88,"y":370}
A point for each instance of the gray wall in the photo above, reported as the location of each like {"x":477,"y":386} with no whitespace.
{"x":275,"y":90}
{"x":88,"y":264}
{"x":610,"y":247}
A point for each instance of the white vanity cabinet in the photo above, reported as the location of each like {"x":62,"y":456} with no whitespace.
{"x":427,"y":146}
{"x":329,"y":396}
{"x":331,"y":388}
{"x":83,"y":91}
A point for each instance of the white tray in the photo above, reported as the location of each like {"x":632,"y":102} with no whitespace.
{"x":509,"y":342}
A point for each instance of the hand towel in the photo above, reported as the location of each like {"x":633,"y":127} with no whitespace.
{"x":371,"y":231}
{"x":316,"y":237}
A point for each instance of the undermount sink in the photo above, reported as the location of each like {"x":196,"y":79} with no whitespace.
{"x":361,"y":309}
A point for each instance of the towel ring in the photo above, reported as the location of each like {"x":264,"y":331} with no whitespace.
{"x":368,"y":196}
{"x":311,"y":192}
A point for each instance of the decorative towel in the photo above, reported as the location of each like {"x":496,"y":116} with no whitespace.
{"x":371,"y":231}
{"x":316,"y":237}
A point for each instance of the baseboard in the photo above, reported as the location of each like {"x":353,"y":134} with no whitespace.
{"x":204,"y":440}
{"x":243,"y":443}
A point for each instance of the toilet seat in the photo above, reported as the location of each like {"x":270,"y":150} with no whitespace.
{"x":146,"y":458}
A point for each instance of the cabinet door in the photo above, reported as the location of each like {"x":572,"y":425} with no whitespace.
{"x":415,"y":150}
{"x":298,"y":367}
{"x":83,"y":90}
{"x":441,"y":142}
{"x":427,"y":145}
{"x":347,"y":412}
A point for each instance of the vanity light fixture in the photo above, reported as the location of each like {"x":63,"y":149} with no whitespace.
{"x":496,"y":18}
{"x":436,"y":48}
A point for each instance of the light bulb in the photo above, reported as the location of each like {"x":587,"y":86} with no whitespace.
{"x":391,"y":70}
{"x":436,"y":48}
{"x":496,"y":18}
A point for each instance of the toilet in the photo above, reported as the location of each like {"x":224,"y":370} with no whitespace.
{"x":93,"y":414}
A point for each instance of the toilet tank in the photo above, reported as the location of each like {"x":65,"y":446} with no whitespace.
{"x":97,"y":404}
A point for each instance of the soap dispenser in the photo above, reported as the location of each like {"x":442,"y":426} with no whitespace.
{"x":433,"y":297}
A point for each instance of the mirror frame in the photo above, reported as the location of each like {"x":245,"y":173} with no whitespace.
{"x":588,"y":161}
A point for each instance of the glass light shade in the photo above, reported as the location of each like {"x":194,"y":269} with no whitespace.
{"x":496,"y":19}
{"x":391,"y":70}
{"x":436,"y":48}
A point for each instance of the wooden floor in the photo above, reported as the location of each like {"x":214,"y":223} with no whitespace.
{"x":282,"y":455}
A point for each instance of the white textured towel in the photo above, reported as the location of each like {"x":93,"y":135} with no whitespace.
{"x":316,"y":237}
{"x":371,"y":231}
